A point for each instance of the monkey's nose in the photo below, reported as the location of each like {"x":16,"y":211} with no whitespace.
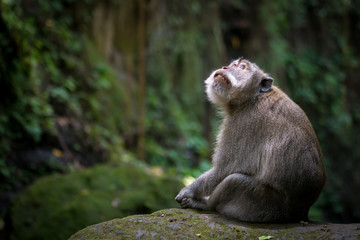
{"x":224,"y":68}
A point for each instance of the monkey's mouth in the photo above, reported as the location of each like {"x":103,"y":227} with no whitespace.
{"x":220,"y":78}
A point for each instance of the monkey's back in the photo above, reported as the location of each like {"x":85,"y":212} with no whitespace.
{"x":270,"y":138}
{"x":291,"y":137}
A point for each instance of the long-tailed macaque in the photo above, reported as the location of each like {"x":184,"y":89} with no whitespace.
{"x":267,"y":164}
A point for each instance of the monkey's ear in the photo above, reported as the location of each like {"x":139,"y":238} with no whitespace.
{"x":266,"y":83}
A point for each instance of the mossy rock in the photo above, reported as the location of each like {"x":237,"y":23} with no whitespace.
{"x":190,"y":224}
{"x":55,"y":207}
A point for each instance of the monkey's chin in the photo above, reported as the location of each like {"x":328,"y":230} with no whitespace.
{"x":217,"y":94}
{"x":220,"y":90}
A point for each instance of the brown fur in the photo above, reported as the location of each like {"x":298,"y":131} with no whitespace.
{"x":267,"y":164}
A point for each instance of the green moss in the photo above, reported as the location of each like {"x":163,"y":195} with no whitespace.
{"x":55,"y":207}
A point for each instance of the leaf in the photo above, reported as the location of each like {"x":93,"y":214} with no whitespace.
{"x":265,"y":237}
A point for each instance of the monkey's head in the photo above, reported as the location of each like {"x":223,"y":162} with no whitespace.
{"x":236,"y":83}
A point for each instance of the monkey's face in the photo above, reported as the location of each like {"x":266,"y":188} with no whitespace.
{"x":237,"y":82}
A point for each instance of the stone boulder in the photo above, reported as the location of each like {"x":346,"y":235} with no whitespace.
{"x":191,"y":224}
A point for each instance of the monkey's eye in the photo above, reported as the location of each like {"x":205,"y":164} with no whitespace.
{"x":242,"y":66}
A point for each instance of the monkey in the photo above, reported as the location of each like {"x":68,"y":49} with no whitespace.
{"x":267,"y":165}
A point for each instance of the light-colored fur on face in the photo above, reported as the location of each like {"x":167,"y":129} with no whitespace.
{"x":217,"y":93}
{"x":243,"y":82}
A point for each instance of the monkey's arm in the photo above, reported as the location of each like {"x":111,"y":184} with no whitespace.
{"x":200,"y":189}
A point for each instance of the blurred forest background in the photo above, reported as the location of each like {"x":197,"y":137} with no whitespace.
{"x":88,"y":83}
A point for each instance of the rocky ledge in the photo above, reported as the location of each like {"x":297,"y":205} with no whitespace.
{"x":191,"y":224}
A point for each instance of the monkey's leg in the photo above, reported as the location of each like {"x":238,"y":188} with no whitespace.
{"x":247,"y":199}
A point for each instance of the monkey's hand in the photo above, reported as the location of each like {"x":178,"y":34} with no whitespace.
{"x":187,"y":203}
{"x":185,"y":193}
{"x":187,"y":200}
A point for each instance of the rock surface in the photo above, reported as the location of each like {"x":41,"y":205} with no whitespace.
{"x":191,"y":224}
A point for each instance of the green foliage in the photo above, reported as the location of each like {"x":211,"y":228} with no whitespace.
{"x":46,"y":77}
{"x":177,"y":67}
{"x":59,"y":70}
{"x":265,"y":237}
{"x":57,"y":206}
